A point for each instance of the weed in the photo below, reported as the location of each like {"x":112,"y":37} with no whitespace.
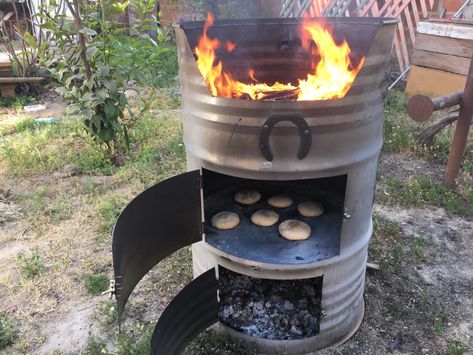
{"x":213,"y":343}
{"x":418,"y":246}
{"x":60,"y":209}
{"x":7,"y":334}
{"x":50,"y":148}
{"x":31,"y":266}
{"x":109,"y":210}
{"x":136,"y":342}
{"x":397,"y":258}
{"x":16,"y":102}
{"x":108,"y":313}
{"x":456,"y":347}
{"x":439,"y":319}
{"x":420,"y":191}
{"x":95,"y":346}
{"x":95,"y":284}
{"x":386,"y":232}
{"x":19,"y":124}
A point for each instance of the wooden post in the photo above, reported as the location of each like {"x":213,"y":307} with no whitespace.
{"x":457,"y":148}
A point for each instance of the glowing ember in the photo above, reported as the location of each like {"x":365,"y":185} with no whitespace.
{"x":332,"y":75}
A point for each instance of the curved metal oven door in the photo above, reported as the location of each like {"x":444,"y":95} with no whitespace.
{"x":193,"y":310}
{"x":158,"y":222}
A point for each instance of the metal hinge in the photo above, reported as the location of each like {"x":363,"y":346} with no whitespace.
{"x":111,"y":289}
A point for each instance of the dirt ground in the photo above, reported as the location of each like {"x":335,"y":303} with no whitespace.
{"x":420,"y":301}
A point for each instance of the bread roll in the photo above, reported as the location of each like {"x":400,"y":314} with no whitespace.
{"x":264,"y":218}
{"x":280,"y":201}
{"x":247,"y":197}
{"x":292,"y":229}
{"x":225,"y":220}
{"x":310,"y":209}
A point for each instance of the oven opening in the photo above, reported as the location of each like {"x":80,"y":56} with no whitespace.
{"x":271,"y":309}
{"x":266,"y":244}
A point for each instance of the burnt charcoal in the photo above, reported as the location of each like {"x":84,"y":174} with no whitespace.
{"x":271,"y":309}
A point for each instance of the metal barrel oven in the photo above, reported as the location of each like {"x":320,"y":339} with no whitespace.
{"x":285,"y":297}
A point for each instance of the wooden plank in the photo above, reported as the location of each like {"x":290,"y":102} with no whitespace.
{"x":20,"y":80}
{"x":445,"y":30}
{"x":399,"y":57}
{"x":367,"y":8}
{"x":405,"y":51}
{"x":410,"y":24}
{"x":424,"y":8}
{"x":415,"y":11}
{"x":444,"y":45}
{"x":433,"y":83}
{"x":450,"y":63}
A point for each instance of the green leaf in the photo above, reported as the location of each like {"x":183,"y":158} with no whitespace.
{"x":110,"y":110}
{"x":48,"y":26}
{"x":122,"y":101}
{"x":110,"y":85}
{"x":101,"y":93}
{"x":88,"y":31}
{"x":91,"y":52}
{"x":104,"y":70}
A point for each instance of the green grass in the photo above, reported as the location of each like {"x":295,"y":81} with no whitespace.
{"x":31,"y":266}
{"x":159,"y":151}
{"x":418,"y":248}
{"x":400,"y":133}
{"x":7,"y":334}
{"x":16,"y":102}
{"x":20,"y":124}
{"x":50,"y":148}
{"x":109,"y":208}
{"x":456,"y":347}
{"x":136,"y":342}
{"x":95,"y":346}
{"x":213,"y":343}
{"x":108,"y":313}
{"x":420,"y":191}
{"x":95,"y":284}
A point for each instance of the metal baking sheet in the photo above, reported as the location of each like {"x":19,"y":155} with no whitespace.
{"x":264,"y":244}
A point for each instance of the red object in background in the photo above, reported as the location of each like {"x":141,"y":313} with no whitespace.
{"x":452,"y":5}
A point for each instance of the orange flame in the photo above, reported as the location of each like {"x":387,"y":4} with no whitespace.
{"x":332,"y":75}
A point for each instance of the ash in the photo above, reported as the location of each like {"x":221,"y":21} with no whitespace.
{"x":271,"y":309}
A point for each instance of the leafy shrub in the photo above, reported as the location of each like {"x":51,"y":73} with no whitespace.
{"x":31,"y":266}
{"x":96,"y":284}
{"x":7,"y":335}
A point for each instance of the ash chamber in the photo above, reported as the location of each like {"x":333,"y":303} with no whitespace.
{"x":283,"y":296}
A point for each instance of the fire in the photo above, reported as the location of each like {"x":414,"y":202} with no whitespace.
{"x":331,"y":78}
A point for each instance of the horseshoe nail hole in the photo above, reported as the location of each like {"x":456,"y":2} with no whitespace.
{"x":299,"y":258}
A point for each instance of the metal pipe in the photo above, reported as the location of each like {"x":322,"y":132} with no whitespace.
{"x":462,"y":129}
{"x":399,"y":78}
{"x":460,"y":10}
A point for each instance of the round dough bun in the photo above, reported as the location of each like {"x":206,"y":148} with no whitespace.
{"x":247,"y":197}
{"x":310,"y":209}
{"x":292,"y":229}
{"x":280,"y":201}
{"x":225,"y":220}
{"x":264,"y":218}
